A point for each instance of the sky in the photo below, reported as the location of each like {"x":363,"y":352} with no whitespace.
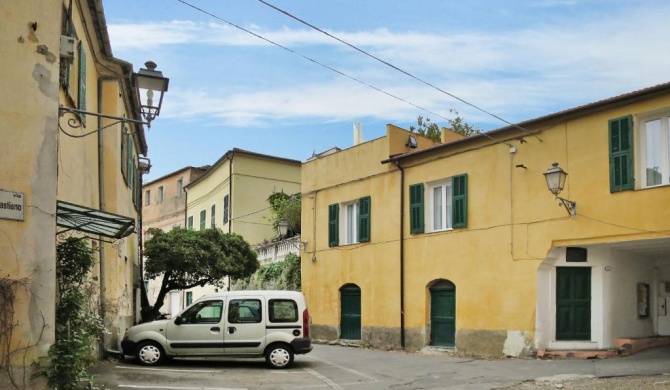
{"x":513,"y":59}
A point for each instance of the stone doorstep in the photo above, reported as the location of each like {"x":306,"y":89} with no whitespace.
{"x":622,"y":347}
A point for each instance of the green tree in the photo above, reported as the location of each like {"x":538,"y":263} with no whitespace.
{"x":431,"y":130}
{"x":188,"y":258}
{"x":284,"y":207}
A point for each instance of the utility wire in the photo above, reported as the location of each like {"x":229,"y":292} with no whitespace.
{"x":310,"y":59}
{"x":393,"y":66}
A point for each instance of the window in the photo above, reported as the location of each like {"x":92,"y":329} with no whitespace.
{"x":225,"y":209}
{"x":244,"y":311}
{"x":147,"y":236}
{"x":283,"y":310}
{"x":212,"y":218}
{"x":159,"y":197}
{"x":206,"y":312}
{"x":355,"y":226}
{"x":189,"y":223}
{"x":189,"y":297}
{"x":445,"y":205}
{"x":203,"y":215}
{"x":654,"y":142}
{"x":621,"y":154}
{"x":147,"y":197}
{"x":180,"y":187}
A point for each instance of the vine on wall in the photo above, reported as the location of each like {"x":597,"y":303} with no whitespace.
{"x":78,"y":326}
{"x":282,"y":275}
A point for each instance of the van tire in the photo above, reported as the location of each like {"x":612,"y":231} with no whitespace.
{"x":149,"y":353}
{"x":279,"y":356}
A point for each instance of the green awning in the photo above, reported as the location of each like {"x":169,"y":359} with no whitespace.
{"x":92,"y":221}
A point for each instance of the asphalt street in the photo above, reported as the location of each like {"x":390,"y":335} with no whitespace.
{"x":342,"y":367}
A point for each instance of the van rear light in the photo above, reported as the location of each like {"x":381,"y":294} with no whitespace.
{"x":305,"y":323}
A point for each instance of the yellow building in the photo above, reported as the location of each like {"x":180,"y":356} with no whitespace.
{"x":462,"y":245}
{"x":232,"y":195}
{"x":61,"y":176}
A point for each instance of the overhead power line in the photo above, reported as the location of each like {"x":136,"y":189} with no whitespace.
{"x":311,"y":59}
{"x":290,"y":15}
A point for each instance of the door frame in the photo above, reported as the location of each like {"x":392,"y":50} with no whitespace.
{"x":437,"y":286}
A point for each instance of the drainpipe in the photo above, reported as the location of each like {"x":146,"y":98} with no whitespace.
{"x":230,"y":199}
{"x":402,"y":254}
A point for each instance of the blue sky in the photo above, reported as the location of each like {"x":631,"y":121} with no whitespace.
{"x":516,"y":59}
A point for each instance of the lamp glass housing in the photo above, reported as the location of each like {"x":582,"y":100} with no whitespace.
{"x":282,"y":226}
{"x":149,"y":83}
{"x":555,"y":177}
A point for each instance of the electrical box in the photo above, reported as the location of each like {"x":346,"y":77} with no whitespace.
{"x":67,"y":46}
{"x":664,"y":289}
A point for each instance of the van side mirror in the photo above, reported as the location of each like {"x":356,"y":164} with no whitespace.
{"x":179,"y":320}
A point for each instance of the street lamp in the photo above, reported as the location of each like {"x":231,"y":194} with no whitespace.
{"x":555,"y":177}
{"x":282,"y":226}
{"x":148,"y":82}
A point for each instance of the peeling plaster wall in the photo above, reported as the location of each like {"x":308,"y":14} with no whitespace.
{"x":29,"y":36}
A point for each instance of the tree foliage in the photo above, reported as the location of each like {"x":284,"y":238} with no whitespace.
{"x":287,"y":208}
{"x":188,"y":258}
{"x":431,"y":130}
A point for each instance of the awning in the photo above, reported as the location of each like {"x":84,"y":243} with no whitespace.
{"x":88,"y":220}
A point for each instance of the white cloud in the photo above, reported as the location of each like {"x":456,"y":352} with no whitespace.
{"x":516,"y":74}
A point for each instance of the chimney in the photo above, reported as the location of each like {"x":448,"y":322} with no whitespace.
{"x":358,"y":133}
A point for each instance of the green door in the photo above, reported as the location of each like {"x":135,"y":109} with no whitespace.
{"x":350,"y":322}
{"x":443,"y":314}
{"x":573,"y":303}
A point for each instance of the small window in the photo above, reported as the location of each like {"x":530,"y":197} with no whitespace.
{"x":225,"y":209}
{"x":189,"y":223}
{"x":212,"y":217}
{"x":147,"y":197}
{"x":159,"y":198}
{"x":355,"y":222}
{"x":242,"y":311}
{"x":283,"y":310}
{"x":203,"y":216}
{"x":180,"y":187}
{"x":445,"y":206}
{"x":189,"y":297}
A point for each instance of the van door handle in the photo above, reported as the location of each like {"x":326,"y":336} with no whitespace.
{"x":215,"y":329}
{"x":231,"y":329}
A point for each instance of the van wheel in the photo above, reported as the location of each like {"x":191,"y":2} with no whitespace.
{"x":279,"y":356}
{"x":149,"y":353}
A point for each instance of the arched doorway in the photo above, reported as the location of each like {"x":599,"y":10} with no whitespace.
{"x":350,"y":308}
{"x":443,"y":314}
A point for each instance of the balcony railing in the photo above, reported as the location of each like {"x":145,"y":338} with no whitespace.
{"x":277,"y":251}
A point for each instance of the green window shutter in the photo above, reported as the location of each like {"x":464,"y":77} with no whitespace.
{"x":81,"y":96}
{"x":364,"y":211}
{"x":333,"y":225}
{"x":460,"y":201}
{"x":129,"y":161}
{"x":203,"y":214}
{"x":416,"y":208}
{"x":190,"y":223}
{"x":621,"y":154}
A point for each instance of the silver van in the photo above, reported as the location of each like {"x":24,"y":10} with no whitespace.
{"x":270,"y":324}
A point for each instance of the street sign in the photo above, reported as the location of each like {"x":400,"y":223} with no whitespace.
{"x":11,"y":205}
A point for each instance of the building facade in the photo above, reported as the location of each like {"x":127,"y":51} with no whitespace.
{"x":62,"y":176}
{"x":233,"y":196}
{"x":462,"y":245}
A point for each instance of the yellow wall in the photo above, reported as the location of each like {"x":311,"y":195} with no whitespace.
{"x":513,"y":223}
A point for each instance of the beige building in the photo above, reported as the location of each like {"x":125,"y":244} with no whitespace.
{"x":232,"y":195}
{"x":164,"y":208}
{"x":65,"y":169}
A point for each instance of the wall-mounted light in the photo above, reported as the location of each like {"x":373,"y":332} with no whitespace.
{"x":555,"y":177}
{"x":411,"y":142}
{"x":283,"y":227}
{"x":150,"y":82}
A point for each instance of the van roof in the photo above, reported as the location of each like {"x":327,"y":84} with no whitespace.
{"x":267,"y":293}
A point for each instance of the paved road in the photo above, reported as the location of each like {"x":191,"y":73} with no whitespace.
{"x":339,"y":367}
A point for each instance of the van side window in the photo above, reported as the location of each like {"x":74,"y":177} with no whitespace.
{"x":207,"y":312}
{"x":283,"y":310}
{"x":242,"y":311}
